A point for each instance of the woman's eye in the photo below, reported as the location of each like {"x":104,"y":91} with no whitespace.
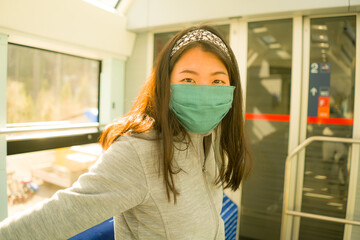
{"x":218,"y":82}
{"x":187,"y":80}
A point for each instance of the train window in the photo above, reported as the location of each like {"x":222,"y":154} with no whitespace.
{"x":36,"y":176}
{"x":48,"y":90}
{"x":108,"y":5}
{"x":45,"y":86}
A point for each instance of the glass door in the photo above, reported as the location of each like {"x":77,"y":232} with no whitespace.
{"x":324,"y":180}
{"x":269,"y":74}
{"x":330,"y":107}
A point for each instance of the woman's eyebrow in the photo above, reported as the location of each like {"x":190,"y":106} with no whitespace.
{"x":219,"y":72}
{"x":189,"y":71}
{"x":212,"y":74}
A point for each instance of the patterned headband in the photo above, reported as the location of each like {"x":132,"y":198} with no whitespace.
{"x":199,"y":35}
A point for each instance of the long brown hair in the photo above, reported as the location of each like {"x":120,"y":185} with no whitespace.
{"x":151,"y":112}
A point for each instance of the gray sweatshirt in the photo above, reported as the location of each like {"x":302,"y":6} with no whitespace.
{"x":125,"y":183}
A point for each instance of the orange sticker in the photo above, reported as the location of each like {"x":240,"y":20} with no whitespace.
{"x":324,"y":107}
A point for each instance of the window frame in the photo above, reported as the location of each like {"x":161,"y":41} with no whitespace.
{"x":31,"y":144}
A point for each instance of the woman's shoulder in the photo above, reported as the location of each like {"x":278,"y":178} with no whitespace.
{"x":130,"y":149}
{"x":142,"y":146}
{"x":145,"y":137}
{"x":139,"y":142}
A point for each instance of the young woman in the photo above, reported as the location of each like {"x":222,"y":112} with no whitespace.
{"x":167,"y":161}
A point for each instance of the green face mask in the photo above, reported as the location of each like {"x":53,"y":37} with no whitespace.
{"x":200,"y":108}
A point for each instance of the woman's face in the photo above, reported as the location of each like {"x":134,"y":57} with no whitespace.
{"x":196,"y":66}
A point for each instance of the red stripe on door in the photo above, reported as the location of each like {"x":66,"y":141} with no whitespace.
{"x":334,"y":121}
{"x":286,"y":118}
{"x":268,"y":117}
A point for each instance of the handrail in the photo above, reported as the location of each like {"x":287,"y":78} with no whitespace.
{"x":324,"y":218}
{"x":286,"y":194}
{"x":50,"y":128}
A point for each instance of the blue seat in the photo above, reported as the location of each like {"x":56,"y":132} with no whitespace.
{"x":229,"y":213}
{"x":102,"y":231}
{"x":105,"y":230}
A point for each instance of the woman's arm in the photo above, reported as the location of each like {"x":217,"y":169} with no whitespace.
{"x":113,"y":185}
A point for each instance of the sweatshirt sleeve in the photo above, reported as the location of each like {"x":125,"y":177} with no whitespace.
{"x":114,"y":184}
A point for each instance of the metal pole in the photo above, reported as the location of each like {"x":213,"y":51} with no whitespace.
{"x":323,"y":218}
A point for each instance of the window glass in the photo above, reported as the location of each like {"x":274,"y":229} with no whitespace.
{"x":108,"y":5}
{"x":269,"y":62}
{"x":45,"y":86}
{"x":33,"y":177}
{"x":111,"y":3}
{"x":330,"y":113}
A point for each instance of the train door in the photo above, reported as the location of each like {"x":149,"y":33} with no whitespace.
{"x":268,"y":100}
{"x":326,"y":173}
{"x":301,"y":83}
